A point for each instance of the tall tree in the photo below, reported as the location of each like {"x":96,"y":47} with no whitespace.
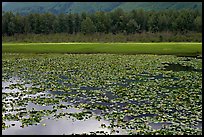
{"x":70,"y":23}
{"x":77,"y":23}
{"x":100,"y":22}
{"x":132,"y":26}
{"x":198,"y":24}
{"x":87,"y":26}
{"x":62,"y":23}
{"x":153,"y":22}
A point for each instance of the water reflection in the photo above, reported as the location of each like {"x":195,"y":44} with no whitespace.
{"x":157,"y":126}
{"x":59,"y":127}
{"x":50,"y":125}
{"x":179,"y":67}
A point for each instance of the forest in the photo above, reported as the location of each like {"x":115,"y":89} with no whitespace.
{"x":115,"y":22}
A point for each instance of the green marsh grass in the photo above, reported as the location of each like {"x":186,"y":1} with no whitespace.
{"x":112,"y":48}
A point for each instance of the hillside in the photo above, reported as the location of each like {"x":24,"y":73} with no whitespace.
{"x":78,"y":7}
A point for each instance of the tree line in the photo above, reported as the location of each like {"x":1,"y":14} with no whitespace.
{"x":115,"y":22}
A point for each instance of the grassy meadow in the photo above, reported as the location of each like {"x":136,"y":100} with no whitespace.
{"x":177,"y":48}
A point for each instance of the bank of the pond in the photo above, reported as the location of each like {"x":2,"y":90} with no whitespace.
{"x":113,"y":48}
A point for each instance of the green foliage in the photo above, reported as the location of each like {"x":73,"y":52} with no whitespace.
{"x":111,"y":48}
{"x":118,"y":21}
{"x":87,"y":26}
{"x":198,"y":23}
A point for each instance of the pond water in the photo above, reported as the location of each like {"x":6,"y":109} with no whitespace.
{"x":60,"y":127}
{"x":50,"y":125}
{"x":179,"y":67}
{"x":101,"y":94}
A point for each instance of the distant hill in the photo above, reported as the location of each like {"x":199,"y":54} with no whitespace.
{"x":78,"y":7}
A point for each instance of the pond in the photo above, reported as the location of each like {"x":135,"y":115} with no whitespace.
{"x":101,"y":94}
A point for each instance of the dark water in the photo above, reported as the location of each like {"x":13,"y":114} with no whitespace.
{"x":51,"y":126}
{"x":179,"y":67}
{"x":59,"y":127}
{"x":188,"y":58}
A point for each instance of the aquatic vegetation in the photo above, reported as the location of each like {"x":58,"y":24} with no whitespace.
{"x":141,"y":94}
